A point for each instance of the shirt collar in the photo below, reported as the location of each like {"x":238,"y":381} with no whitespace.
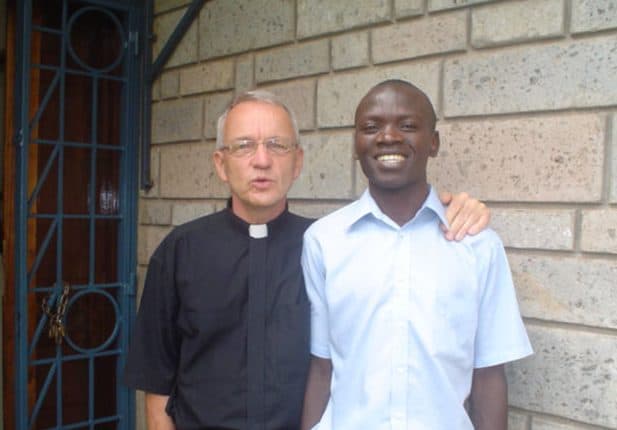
{"x":245,"y":228}
{"x":366,"y":206}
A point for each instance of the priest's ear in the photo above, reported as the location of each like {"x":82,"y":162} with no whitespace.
{"x":219,"y":165}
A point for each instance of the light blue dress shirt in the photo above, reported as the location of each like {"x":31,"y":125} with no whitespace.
{"x":405,"y":316}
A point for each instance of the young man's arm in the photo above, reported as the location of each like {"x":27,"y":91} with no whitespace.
{"x":156,"y":417}
{"x":465,"y":215}
{"x":317,"y":391}
{"x":488,"y":403}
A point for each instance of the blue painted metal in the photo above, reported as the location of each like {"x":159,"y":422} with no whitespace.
{"x":121,"y":292}
{"x":22,"y":94}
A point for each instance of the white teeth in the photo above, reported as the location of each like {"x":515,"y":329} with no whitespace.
{"x":391,"y":158}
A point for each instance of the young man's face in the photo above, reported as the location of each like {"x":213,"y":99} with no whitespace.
{"x":394,"y":136}
{"x":259,"y":182}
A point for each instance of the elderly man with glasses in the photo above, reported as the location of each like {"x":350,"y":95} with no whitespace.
{"x":221,"y":339}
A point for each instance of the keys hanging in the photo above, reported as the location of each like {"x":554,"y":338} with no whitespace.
{"x":57,"y":330}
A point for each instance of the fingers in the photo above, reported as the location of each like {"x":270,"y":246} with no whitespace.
{"x":477,"y":221}
{"x":466,"y":216}
{"x":445,"y":197}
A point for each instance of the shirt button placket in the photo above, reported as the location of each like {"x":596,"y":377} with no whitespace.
{"x":398,"y":371}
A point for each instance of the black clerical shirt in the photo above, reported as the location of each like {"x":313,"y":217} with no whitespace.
{"x":223,"y":325}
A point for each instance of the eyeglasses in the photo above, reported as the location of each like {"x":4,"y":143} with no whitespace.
{"x":246,"y":147}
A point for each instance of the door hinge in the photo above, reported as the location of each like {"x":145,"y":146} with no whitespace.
{"x":134,"y":41}
{"x":19,"y":138}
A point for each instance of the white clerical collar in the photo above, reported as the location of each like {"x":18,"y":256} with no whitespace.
{"x":258,"y":231}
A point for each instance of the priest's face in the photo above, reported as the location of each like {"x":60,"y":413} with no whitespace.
{"x":259,"y":180}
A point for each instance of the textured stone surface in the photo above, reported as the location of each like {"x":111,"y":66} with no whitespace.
{"x":338,"y":95}
{"x":540,"y":423}
{"x":516,"y":22}
{"x":188,"y":211}
{"x":613,"y":146}
{"x":517,"y":421}
{"x":215,"y":105}
{"x":177,"y":120}
{"x":210,"y":76}
{"x":170,"y":84}
{"x":572,"y":374}
{"x":327,"y":169}
{"x":186,"y":50}
{"x":535,"y":228}
{"x":299,"y":96}
{"x":434,"y":5}
{"x":303,"y":59}
{"x":350,"y":50}
{"x":599,"y":230}
{"x":232,"y":26}
{"x":556,"y":158}
{"x":245,"y":77}
{"x":404,"y":8}
{"x":187,"y":171}
{"x":157,"y":212}
{"x":436,"y":34}
{"x":149,"y":238}
{"x":593,"y":15}
{"x":566,"y":289}
{"x":558,"y":76}
{"x":325,"y":16}
{"x":163,"y":5}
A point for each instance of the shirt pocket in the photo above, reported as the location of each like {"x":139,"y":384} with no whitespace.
{"x":291,"y":342}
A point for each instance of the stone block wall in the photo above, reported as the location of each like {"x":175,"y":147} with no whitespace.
{"x":526,"y":94}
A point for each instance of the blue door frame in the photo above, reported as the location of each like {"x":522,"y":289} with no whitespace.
{"x":71,"y":323}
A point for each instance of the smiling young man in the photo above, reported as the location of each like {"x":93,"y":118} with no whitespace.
{"x":406,"y":325}
{"x":221,"y":339}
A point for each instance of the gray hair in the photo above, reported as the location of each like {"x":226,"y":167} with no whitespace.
{"x":261,"y":96}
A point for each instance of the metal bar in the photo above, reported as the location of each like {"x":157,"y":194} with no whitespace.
{"x":44,"y":29}
{"x":60,"y":200}
{"x":22,"y":96}
{"x":75,"y":357}
{"x":78,"y":144}
{"x":77,"y":288}
{"x":146,"y":98}
{"x":76,"y":216}
{"x":42,"y":178}
{"x":183,"y":25}
{"x":70,"y":71}
{"x":41,"y":252}
{"x":41,"y":394}
{"x":92,"y":187}
{"x":43,"y":104}
{"x":91,"y":392}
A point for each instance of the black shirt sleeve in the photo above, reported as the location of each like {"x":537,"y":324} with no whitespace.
{"x":152,"y":359}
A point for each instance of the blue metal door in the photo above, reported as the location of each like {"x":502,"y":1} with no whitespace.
{"x":77,"y":93}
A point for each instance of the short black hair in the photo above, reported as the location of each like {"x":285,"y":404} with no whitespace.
{"x":408,"y":84}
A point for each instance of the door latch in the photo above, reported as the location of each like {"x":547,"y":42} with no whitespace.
{"x":57,"y":330}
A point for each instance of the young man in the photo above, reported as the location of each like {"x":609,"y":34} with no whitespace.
{"x":406,"y":326}
{"x":222,"y":335}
